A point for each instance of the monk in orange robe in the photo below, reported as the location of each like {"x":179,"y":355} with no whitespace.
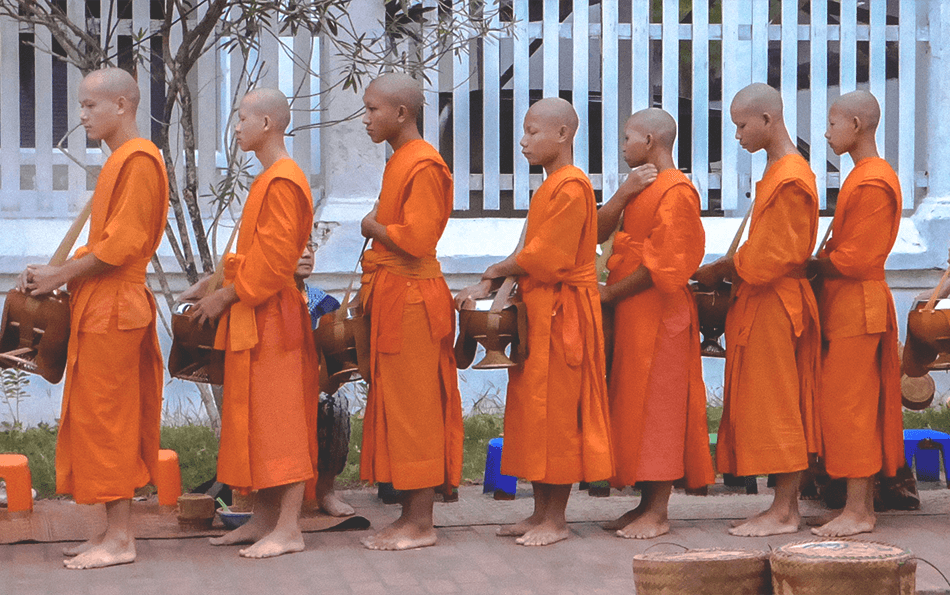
{"x":412,"y":429}
{"x":656,"y":390}
{"x":271,"y":392}
{"x":860,"y":398}
{"x":109,"y":427}
{"x":557,"y":430}
{"x":769,"y":424}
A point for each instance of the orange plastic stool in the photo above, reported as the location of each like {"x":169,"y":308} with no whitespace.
{"x":168,"y":480}
{"x":15,"y":470}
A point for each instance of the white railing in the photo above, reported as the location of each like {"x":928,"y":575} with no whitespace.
{"x":620,"y":55}
{"x":617,"y":54}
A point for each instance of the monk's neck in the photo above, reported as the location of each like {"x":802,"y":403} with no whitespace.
{"x":271,"y":153}
{"x":782,"y":147}
{"x":864,"y":149}
{"x":562,"y":160}
{"x":663,"y":161}
{"x":122,"y":135}
{"x":406,"y":135}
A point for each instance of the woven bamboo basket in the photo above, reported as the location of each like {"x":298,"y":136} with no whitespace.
{"x":843,"y":567}
{"x":703,"y":572}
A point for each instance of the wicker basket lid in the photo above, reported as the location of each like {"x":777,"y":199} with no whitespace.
{"x":702,"y":572}
{"x":843,"y":567}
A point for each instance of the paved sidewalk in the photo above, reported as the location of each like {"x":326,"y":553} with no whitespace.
{"x":468,"y":559}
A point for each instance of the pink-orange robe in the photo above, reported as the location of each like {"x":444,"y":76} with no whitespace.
{"x":860,"y":398}
{"x":656,"y":389}
{"x":271,"y":384}
{"x":557,"y":429}
{"x":112,"y":403}
{"x":769,"y":423}
{"x":412,"y":429}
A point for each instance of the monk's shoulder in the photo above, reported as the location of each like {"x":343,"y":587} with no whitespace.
{"x":286,"y":171}
{"x":876,"y":172}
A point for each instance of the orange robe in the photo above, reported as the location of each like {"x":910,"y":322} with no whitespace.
{"x":271,"y":386}
{"x":769,"y":423}
{"x":860,"y":399}
{"x":556,"y":421}
{"x":112,"y":403}
{"x":412,"y":429}
{"x":656,"y":389}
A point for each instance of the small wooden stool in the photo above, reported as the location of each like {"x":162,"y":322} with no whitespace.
{"x":168,"y":478}
{"x":15,"y":470}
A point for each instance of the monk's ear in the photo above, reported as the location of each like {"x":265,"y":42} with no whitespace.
{"x":649,"y":140}
{"x":402,"y":113}
{"x":857,"y":123}
{"x":267,"y":122}
{"x":122,"y":104}
{"x":767,"y":118}
{"x":564,"y":133}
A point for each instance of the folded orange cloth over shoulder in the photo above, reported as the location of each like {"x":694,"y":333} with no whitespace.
{"x":412,"y":429}
{"x":271,"y":382}
{"x":112,"y":402}
{"x":556,"y":422}
{"x":656,"y":389}
{"x":860,"y":401}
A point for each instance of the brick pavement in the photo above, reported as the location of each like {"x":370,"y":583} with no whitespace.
{"x":468,"y":559}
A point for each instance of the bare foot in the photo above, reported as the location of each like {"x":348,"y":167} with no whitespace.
{"x":544,"y":534}
{"x":108,"y":553}
{"x":400,"y":536}
{"x":250,"y":532}
{"x":519,"y":529}
{"x":847,"y":523}
{"x":622,"y":521}
{"x":646,"y":526}
{"x":333,"y":505}
{"x":275,"y":544}
{"x":767,"y":524}
{"x":740,"y":522}
{"x":84,"y":546}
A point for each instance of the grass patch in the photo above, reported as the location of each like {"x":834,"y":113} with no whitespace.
{"x":197,"y":447}
{"x":39,"y":446}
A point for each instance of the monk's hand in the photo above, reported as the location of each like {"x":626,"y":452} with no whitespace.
{"x":709,"y":275}
{"x":210,"y":308}
{"x":196,"y":291}
{"x":25,"y":278}
{"x":369,"y":224}
{"x":606,"y":294}
{"x":465,"y":300}
{"x":43,"y":279}
{"x":638,"y":179}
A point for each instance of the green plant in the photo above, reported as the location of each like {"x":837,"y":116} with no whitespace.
{"x":38,"y":445}
{"x":197,"y":448}
{"x":13,"y":383}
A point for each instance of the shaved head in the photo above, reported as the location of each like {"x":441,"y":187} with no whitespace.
{"x":656,"y":122}
{"x":114,"y":83}
{"x":759,"y":98}
{"x":398,"y":88}
{"x":269,"y":102}
{"x":554,"y":111}
{"x":861,"y":105}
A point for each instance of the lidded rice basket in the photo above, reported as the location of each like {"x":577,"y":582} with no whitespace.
{"x":702,"y":572}
{"x":843,"y":567}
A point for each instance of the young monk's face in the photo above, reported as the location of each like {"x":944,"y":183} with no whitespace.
{"x":381,"y":118}
{"x":305,"y":264}
{"x":249,"y":130}
{"x":634,"y":145}
{"x":841,"y":133}
{"x":752,"y":130}
{"x":99,"y":112}
{"x":541,"y":140}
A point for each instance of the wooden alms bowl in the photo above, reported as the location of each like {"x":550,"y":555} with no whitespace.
{"x":494,"y":331}
{"x":931,"y":327}
{"x":192,"y":356}
{"x":35,"y":334}
{"x":712,"y":305}
{"x":343,"y":339}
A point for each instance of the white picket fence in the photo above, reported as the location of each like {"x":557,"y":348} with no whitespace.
{"x":614,"y":54}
